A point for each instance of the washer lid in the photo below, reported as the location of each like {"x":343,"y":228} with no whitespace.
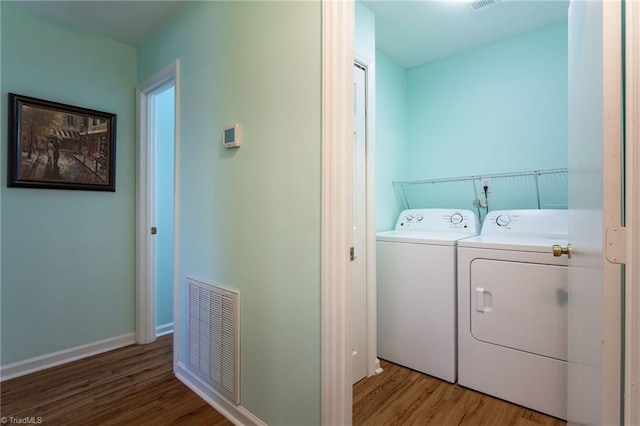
{"x":519,"y":243}
{"x":432,"y":238}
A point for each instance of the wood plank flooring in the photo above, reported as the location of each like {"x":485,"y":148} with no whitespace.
{"x":399,"y":396}
{"x":135,"y":385}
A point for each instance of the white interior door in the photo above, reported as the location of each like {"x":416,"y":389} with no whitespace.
{"x":594,"y":319}
{"x":359,"y":311}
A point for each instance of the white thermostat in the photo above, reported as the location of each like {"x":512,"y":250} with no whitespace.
{"x":231,"y":136}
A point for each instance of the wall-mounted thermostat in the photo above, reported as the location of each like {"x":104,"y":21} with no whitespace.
{"x":231,"y":136}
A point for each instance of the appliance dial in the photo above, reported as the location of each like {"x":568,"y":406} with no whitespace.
{"x":419,"y":218}
{"x":409,"y":217}
{"x":456,"y":218}
{"x":503,"y":220}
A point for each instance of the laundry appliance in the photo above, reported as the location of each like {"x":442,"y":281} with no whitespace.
{"x":512,"y":309}
{"x":416,"y":289}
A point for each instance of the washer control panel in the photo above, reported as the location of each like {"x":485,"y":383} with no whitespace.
{"x":532,"y":222}
{"x":438,"y":221}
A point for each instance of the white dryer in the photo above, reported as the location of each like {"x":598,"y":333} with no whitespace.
{"x":416,"y":289}
{"x":512,"y":309}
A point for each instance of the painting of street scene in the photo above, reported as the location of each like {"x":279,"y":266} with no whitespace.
{"x":58,"y":146}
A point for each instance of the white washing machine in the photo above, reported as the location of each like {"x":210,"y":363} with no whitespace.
{"x":416,"y":288}
{"x":512,"y":309}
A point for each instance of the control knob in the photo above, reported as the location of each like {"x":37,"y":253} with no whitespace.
{"x":409,"y":217}
{"x":419,"y":217}
{"x":503,"y":220}
{"x":456,"y":218}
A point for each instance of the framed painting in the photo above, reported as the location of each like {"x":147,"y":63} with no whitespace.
{"x":58,"y":146}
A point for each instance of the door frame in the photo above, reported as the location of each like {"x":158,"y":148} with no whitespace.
{"x":337,"y":199}
{"x":632,"y":285}
{"x":360,"y":347}
{"x":337,"y":63}
{"x":146,"y":196}
{"x":373,"y":363}
{"x":611,"y":367}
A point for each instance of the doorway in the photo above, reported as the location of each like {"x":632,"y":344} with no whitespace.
{"x":157,"y":103}
{"x":164,"y":200}
{"x":332,"y":409}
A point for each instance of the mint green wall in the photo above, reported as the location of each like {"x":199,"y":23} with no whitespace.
{"x":392,"y":121}
{"x":249,"y":218}
{"x":68,"y":257}
{"x":364,"y":37}
{"x":494,"y":109}
{"x":498,"y":108}
{"x":164,"y":207}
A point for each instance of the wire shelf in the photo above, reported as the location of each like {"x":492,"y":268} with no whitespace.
{"x":517,"y":190}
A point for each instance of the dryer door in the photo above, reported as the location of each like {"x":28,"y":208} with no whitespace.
{"x":519,"y":305}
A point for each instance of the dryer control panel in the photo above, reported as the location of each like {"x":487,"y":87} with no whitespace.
{"x":438,"y":221}
{"x":531,"y":222}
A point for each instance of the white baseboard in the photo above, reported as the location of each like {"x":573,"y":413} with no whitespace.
{"x":42,"y":362}
{"x":236,"y":414}
{"x":167,"y":328}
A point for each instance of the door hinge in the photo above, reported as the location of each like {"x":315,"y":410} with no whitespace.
{"x":616,"y":244}
{"x":352,"y":254}
{"x":154,"y":230}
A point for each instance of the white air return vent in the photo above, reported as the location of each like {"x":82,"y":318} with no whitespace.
{"x":214,"y":336}
{"x":482,"y":4}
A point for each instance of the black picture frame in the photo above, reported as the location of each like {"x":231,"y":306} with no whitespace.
{"x":58,"y":146}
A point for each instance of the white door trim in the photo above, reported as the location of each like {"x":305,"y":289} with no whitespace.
{"x":632,"y":139}
{"x":611,"y":363}
{"x":373,"y":363}
{"x":337,"y":200}
{"x":145,"y":197}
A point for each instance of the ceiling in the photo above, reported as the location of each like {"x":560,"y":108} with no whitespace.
{"x":410,"y":32}
{"x":416,"y":32}
{"x":126,"y":21}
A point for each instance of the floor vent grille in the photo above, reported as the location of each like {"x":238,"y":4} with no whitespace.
{"x":214,"y":336}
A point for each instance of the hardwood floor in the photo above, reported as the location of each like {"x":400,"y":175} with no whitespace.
{"x":134,"y":385}
{"x":399,"y":396}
